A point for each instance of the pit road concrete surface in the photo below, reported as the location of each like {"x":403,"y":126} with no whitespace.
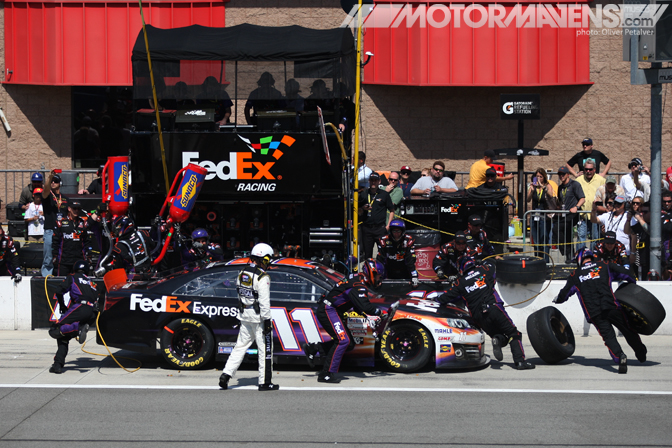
{"x":581,"y":402}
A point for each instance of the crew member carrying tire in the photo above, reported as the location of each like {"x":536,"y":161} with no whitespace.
{"x":201,"y":248}
{"x":476,"y":286}
{"x":131,"y":250}
{"x":396,"y":253}
{"x":9,"y":258}
{"x":74,"y":322}
{"x":591,"y":281}
{"x":445,"y":262}
{"x":254,"y":295}
{"x":344,"y":297}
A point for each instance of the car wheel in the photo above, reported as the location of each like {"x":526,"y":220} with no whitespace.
{"x":521,"y":269}
{"x":645,"y":313}
{"x":406,"y":347}
{"x":187,"y":344}
{"x":551,"y":335}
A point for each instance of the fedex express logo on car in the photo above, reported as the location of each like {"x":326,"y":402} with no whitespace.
{"x":167,"y":304}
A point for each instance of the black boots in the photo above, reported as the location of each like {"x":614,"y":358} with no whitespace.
{"x":327,"y":377}
{"x":81,"y":337}
{"x":224,"y":381}
{"x":268,"y":386}
{"x":56,"y":368}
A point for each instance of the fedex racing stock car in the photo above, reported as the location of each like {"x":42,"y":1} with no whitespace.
{"x":190,"y":318}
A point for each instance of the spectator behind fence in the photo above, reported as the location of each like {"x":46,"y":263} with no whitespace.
{"x":435,"y":182}
{"x":570,"y":198}
{"x":374,"y":204}
{"x":96,"y":185}
{"x":477,"y":171}
{"x":638,"y":227}
{"x":667,"y":179}
{"x":35,"y":217}
{"x":590,"y":182}
{"x":396,"y":194}
{"x":425,"y":172}
{"x":540,"y":193}
{"x":405,"y":182}
{"x":615,"y":221}
{"x":36,"y":181}
{"x":588,"y":153}
{"x":610,"y":187}
{"x":638,"y":182}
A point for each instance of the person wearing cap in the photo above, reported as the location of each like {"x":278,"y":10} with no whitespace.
{"x":610,"y":188}
{"x":9,"y":257}
{"x":614,"y":221}
{"x":637,"y":226}
{"x":542,"y":196}
{"x":55,"y":207}
{"x":363,"y":171}
{"x":264,"y":97}
{"x":490,"y":181}
{"x":638,"y":182}
{"x":477,"y":239}
{"x":36,"y":181}
{"x":611,"y":250}
{"x":477,"y":171}
{"x":96,"y":185}
{"x":571,"y":199}
{"x":396,"y":195}
{"x":588,"y":152}
{"x":590,"y":181}
{"x":35,"y":217}
{"x":435,"y":182}
{"x":71,"y":240}
{"x":374,"y":204}
{"x":445,"y":262}
{"x":405,"y":181}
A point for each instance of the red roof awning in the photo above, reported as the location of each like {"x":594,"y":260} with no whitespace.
{"x":445,"y":54}
{"x":88,"y":43}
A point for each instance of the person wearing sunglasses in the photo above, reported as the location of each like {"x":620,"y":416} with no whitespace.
{"x":610,"y":187}
{"x":638,"y":182}
{"x":394,"y":190}
{"x":614,"y":221}
{"x":405,"y":182}
{"x":590,"y":181}
{"x":579,"y":159}
{"x":54,"y":207}
{"x":435,"y":182}
{"x":571,"y":199}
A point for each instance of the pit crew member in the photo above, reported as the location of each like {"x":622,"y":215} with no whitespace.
{"x":9,"y":258}
{"x":476,"y":286}
{"x":71,"y":240}
{"x":591,"y":282}
{"x":201,"y":248}
{"x":74,"y":322}
{"x":612,"y":250}
{"x":396,"y":253}
{"x":131,"y":250}
{"x":445,"y":262}
{"x":477,"y":239}
{"x":254,"y":286}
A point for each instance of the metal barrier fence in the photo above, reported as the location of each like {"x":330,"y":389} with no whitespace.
{"x":546,"y":226}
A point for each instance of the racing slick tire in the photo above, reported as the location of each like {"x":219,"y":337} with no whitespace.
{"x":643,"y":310}
{"x":551,"y":335}
{"x":521,"y":269}
{"x":406,"y":347}
{"x":187,"y":344}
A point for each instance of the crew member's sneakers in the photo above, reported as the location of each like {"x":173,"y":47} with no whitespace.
{"x":224,"y":381}
{"x":524,"y":365}
{"x":623,"y":364}
{"x":269,"y":386}
{"x":311,"y":350}
{"x":55,"y":332}
{"x":641,"y":356}
{"x":56,"y":368}
{"x":497,"y":348}
{"x":327,"y":377}
{"x":81,"y":337}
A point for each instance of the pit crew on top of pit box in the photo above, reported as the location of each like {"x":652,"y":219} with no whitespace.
{"x":344,"y":297}
{"x":396,"y":253}
{"x":254,"y":294}
{"x":591,"y":282}
{"x":9,"y":258}
{"x":445,"y":262}
{"x":75,"y":318}
{"x":476,"y":286}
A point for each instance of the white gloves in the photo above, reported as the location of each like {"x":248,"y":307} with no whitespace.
{"x":415,"y":281}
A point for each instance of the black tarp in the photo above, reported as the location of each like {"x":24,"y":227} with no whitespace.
{"x":244,"y":43}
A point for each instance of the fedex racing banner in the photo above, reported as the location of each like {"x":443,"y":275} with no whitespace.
{"x":248,"y":164}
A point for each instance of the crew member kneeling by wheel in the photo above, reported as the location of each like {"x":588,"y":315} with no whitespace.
{"x":396,"y":253}
{"x":74,"y":323}
{"x":476,"y":286}
{"x":591,"y":281}
{"x":254,"y":296}
{"x":345,"y":296}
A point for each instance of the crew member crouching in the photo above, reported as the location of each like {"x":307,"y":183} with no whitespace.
{"x":396,"y":253}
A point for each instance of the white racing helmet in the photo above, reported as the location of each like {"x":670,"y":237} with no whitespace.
{"x":263,"y":251}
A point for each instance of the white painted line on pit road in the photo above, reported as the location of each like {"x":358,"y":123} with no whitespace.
{"x":341,"y":388}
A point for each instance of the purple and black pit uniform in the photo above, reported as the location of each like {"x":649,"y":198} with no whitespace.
{"x":398,"y":257}
{"x":618,"y":255}
{"x":9,"y":258}
{"x":211,"y":252}
{"x":69,"y":244}
{"x":477,"y":288}
{"x":480,"y":244}
{"x":345,"y":296}
{"x":592,"y":284}
{"x":83,"y":296}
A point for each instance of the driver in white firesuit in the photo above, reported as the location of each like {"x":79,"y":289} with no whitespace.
{"x":396,"y":253}
{"x":476,"y":286}
{"x":75,"y":317}
{"x":254,"y":295}
{"x":131,"y":250}
{"x":445,"y":262}
{"x":591,"y":282}
{"x":348,"y":295}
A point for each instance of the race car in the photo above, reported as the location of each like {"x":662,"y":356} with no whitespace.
{"x":190,"y":317}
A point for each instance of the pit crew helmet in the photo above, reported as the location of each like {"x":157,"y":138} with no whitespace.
{"x":199,"y":234}
{"x":582,"y":255}
{"x":81,"y":266}
{"x":465,"y":263}
{"x":122,"y":225}
{"x":370,"y":268}
{"x":398,"y":224}
{"x":262,"y":252}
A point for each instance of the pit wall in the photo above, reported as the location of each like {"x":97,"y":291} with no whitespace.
{"x":18,"y":302}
